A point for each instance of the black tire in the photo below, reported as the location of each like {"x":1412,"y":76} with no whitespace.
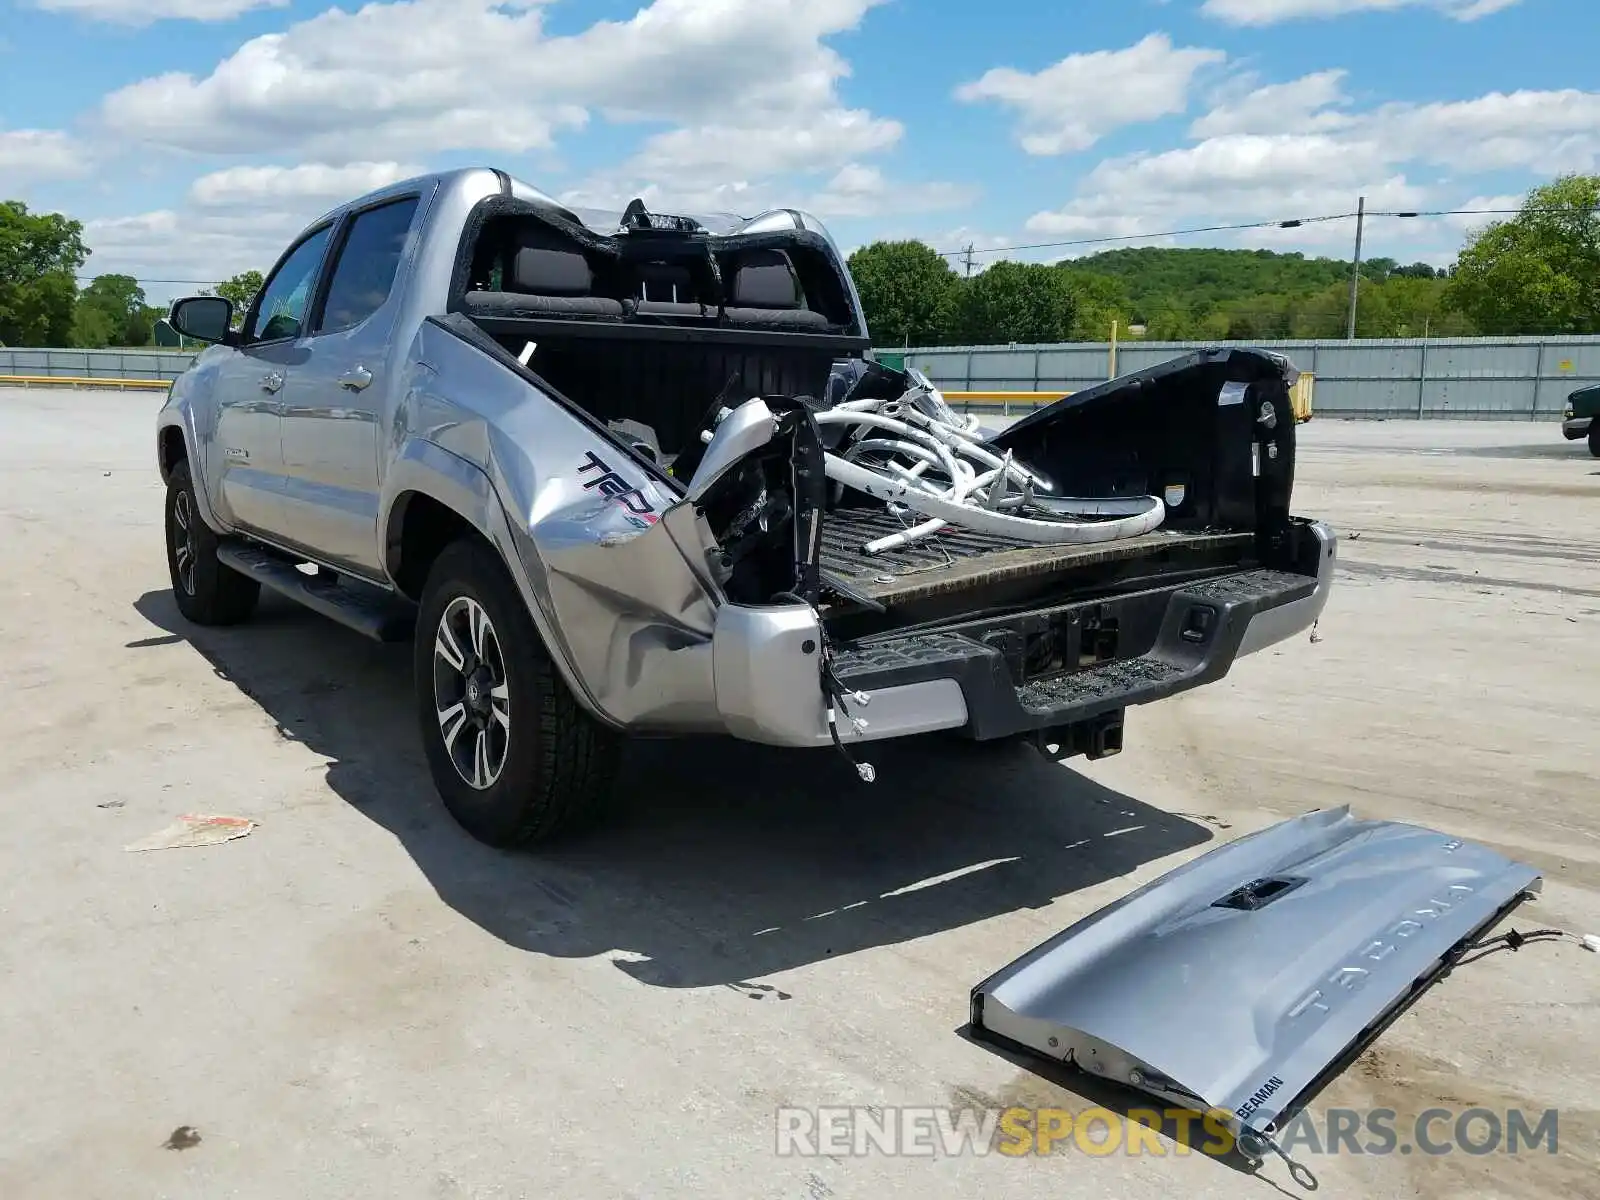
{"x":206,"y":591}
{"x":1594,"y":437}
{"x":556,"y":762}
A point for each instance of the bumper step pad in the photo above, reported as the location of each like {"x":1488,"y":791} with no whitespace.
{"x":998,"y":707}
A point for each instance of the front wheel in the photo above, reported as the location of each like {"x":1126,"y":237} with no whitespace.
{"x":207,"y":592}
{"x":1594,"y":437}
{"x":512,"y":754}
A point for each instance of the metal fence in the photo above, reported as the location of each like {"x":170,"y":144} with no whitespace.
{"x":1483,"y":378}
{"x":161,"y":365}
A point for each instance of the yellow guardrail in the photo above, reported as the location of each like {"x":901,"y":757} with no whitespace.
{"x":79,"y":381}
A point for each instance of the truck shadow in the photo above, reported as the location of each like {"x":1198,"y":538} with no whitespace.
{"x":724,"y":861}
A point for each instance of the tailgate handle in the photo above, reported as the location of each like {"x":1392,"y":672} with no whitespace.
{"x":1259,"y":893}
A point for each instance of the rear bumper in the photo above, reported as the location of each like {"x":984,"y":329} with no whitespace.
{"x":1171,"y":639}
{"x":1574,"y":428}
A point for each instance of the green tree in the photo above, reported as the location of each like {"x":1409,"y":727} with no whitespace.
{"x":907,"y":290}
{"x":1016,"y":302}
{"x":1325,"y":315}
{"x":1098,"y":301}
{"x":1418,"y":270}
{"x":1378,"y":269}
{"x":40,"y":254}
{"x":111,"y":312}
{"x":1417,"y":307}
{"x":1538,"y":272}
{"x":241,"y":289}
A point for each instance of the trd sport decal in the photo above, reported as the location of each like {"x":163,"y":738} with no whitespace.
{"x":611,"y":484}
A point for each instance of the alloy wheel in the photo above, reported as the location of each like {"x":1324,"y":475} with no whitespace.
{"x":185,"y":550}
{"x":470,"y":692}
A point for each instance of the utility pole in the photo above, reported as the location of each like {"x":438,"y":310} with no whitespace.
{"x":1355,"y":268}
{"x":967,"y":257}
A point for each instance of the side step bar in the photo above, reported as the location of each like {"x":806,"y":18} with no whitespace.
{"x":369,"y":611}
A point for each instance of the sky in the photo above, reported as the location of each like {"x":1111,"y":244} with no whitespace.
{"x":194,"y":138}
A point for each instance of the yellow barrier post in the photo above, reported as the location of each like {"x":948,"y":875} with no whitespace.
{"x":1300,"y":397}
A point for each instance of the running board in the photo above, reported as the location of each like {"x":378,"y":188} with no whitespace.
{"x":369,"y":611}
{"x":1244,"y":980}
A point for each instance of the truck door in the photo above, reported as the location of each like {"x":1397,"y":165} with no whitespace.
{"x":250,"y":385}
{"x":333,"y":408}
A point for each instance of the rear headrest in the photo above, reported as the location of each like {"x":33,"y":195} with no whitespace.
{"x":665,"y":282}
{"x":549,"y":269}
{"x":766,"y":280}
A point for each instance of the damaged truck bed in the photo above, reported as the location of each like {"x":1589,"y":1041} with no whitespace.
{"x":631,"y":473}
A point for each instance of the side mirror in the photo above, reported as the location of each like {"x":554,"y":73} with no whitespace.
{"x":204,"y":318}
{"x":742,"y":432}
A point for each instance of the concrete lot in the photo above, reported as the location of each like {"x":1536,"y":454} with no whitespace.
{"x":357,"y":1000}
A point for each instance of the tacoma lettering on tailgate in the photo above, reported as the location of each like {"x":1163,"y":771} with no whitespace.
{"x":1352,"y":976}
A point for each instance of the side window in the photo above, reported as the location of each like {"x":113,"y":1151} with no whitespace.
{"x":367,"y":265}
{"x":286,"y":296}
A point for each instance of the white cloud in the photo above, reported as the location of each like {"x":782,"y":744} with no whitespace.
{"x":1483,"y":210}
{"x":413,"y":76}
{"x":1073,"y":104}
{"x":1296,"y":150}
{"x":237,"y":219}
{"x":28,"y":155}
{"x":863,"y":191}
{"x":1543,"y":131}
{"x":166,"y":245}
{"x":298,"y":187}
{"x":1304,"y":105}
{"x":1271,"y":12}
{"x":146,"y":12}
{"x":611,"y":191}
{"x":808,"y":142}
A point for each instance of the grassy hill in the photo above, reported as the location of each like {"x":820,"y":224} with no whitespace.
{"x":1181,"y":293}
{"x":1156,"y":277}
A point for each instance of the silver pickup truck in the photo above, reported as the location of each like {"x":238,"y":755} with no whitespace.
{"x":604,"y":472}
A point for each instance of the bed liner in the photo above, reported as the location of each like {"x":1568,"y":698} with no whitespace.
{"x":956,"y":559}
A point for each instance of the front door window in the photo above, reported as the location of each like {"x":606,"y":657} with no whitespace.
{"x":286,"y":298}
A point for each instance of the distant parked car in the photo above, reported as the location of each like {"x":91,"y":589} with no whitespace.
{"x":1583,"y":406}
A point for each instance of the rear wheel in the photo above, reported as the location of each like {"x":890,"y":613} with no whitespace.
{"x":206,"y":591}
{"x":513,"y":755}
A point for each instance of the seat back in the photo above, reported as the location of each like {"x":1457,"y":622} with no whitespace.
{"x":765,"y":279}
{"x":765,"y":292}
{"x":548,"y":276}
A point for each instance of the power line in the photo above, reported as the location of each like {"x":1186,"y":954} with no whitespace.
{"x":1292,"y":223}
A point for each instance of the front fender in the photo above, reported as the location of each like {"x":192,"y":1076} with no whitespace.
{"x":178,"y":412}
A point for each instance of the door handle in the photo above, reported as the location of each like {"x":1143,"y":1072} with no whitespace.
{"x":355,"y":379}
{"x":271,"y":382}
